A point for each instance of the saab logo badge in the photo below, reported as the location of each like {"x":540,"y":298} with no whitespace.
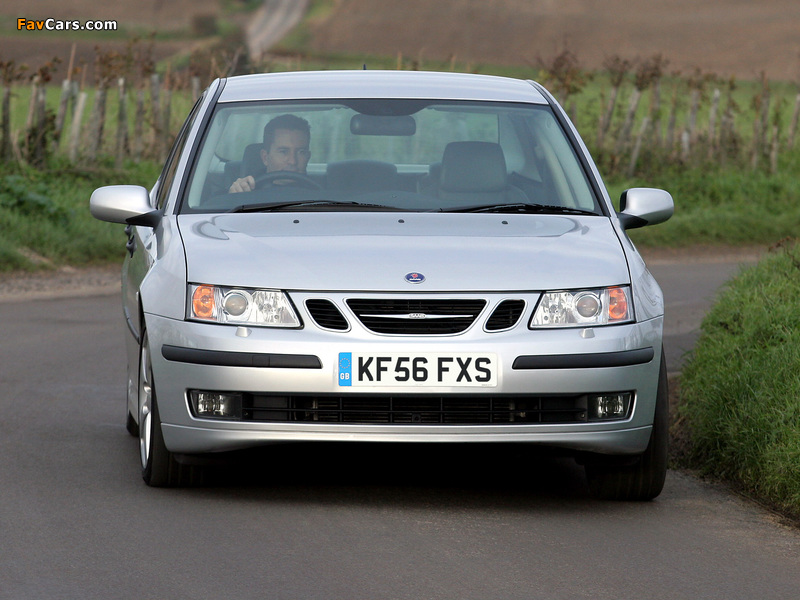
{"x":415,"y":277}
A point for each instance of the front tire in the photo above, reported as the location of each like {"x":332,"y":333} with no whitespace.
{"x":159,"y":466}
{"x":644,"y":479}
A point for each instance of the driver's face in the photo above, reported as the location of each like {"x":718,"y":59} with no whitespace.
{"x":289,"y":152}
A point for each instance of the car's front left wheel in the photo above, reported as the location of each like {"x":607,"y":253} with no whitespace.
{"x":159,"y":466}
{"x":644,"y":478}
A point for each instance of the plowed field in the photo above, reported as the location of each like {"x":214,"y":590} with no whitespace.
{"x":725,"y":37}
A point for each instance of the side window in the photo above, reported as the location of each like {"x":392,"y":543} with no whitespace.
{"x":171,"y":166}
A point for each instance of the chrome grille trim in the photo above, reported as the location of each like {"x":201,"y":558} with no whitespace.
{"x":416,"y":316}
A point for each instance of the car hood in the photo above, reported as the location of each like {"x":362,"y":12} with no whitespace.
{"x":375,"y":251}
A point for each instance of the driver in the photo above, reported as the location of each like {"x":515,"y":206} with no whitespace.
{"x":286,"y":141}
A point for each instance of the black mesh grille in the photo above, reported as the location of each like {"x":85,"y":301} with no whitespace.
{"x":505,"y":315}
{"x":416,"y":316}
{"x":326,"y":315}
{"x":417,"y":409}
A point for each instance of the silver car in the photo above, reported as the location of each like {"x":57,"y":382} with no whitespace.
{"x":389,"y":256}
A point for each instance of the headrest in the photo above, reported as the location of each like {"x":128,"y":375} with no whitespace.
{"x":362,"y":175}
{"x":251,"y":161}
{"x":473,"y":167}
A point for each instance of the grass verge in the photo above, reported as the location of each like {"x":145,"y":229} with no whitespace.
{"x":45,"y":219}
{"x":721,"y":206}
{"x":740,"y":388}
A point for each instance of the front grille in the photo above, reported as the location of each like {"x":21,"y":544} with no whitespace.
{"x":326,"y":315}
{"x":505,"y":315}
{"x":416,"y":316}
{"x":416,"y":409}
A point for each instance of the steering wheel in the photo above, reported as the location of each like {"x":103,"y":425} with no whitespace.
{"x":300,"y":179}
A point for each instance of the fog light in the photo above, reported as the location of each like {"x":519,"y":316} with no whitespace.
{"x":216,"y":405}
{"x":609,"y":406}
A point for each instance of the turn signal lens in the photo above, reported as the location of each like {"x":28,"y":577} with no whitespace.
{"x":617,"y":304}
{"x":203,"y":302}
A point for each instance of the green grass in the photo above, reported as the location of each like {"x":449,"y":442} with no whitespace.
{"x":741,"y":386}
{"x":716,"y":206}
{"x":47,"y":213}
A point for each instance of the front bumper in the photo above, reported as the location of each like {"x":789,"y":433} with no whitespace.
{"x":189,"y":355}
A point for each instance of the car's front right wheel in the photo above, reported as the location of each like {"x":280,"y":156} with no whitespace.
{"x":159,"y":466}
{"x":612,"y":479}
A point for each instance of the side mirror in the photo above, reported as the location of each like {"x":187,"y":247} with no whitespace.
{"x":127,"y":204}
{"x":644,"y":206}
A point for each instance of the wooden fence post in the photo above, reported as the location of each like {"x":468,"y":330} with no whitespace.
{"x":166,"y":107}
{"x":712,"y":123}
{"x":138,"y":125}
{"x":607,"y":116}
{"x":795,"y":118}
{"x":155,"y":110}
{"x":669,"y":142}
{"x":39,"y":132}
{"x":694,"y":108}
{"x":122,"y":123}
{"x":5,"y":148}
{"x":625,"y":133}
{"x":765,"y":104}
{"x":773,"y":153}
{"x":686,"y":144}
{"x":63,"y":103}
{"x":637,"y":147}
{"x":31,"y":119}
{"x":61,"y":115}
{"x":97,"y":122}
{"x":755,"y":151}
{"x":655,"y":112}
{"x":75,"y":131}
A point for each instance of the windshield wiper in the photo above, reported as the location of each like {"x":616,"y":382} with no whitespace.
{"x":521,"y":207}
{"x":270,"y":206}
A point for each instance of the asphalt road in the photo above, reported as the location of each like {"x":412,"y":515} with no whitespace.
{"x":689,"y":288}
{"x":76,"y":521}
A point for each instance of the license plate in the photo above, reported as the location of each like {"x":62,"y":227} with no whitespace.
{"x":463,"y":369}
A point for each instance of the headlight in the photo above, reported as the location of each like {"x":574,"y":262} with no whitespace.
{"x":584,"y":308}
{"x":239,"y":306}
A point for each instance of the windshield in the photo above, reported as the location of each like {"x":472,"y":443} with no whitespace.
{"x":403,"y":155}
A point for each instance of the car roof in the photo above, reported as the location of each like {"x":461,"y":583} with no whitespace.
{"x":307,"y":85}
